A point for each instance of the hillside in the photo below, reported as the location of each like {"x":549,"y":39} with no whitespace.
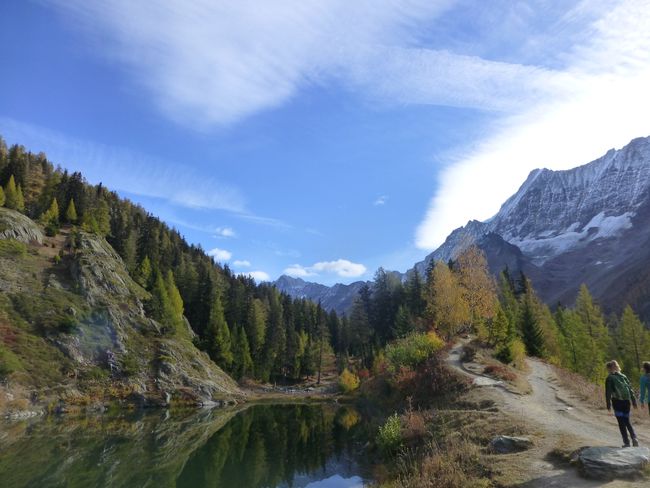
{"x":74,"y":332}
{"x":106,"y":297}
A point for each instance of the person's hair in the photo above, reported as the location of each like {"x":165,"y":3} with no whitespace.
{"x":613,"y":366}
{"x":646,"y":366}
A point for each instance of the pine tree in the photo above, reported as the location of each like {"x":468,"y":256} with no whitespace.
{"x":414,"y":289}
{"x":11,"y":194}
{"x":633,"y":341}
{"x":498,"y":328}
{"x":403,"y":322}
{"x":591,"y":316}
{"x":143,"y":272}
{"x":175,"y":302}
{"x":218,"y":335}
{"x":531,"y":332}
{"x":242,"y":361}
{"x":159,"y":305}
{"x":71,"y":212}
{"x":20,"y":200}
{"x":2,"y":197}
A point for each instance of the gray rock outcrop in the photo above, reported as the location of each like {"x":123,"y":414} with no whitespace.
{"x":607,"y":463}
{"x":14,"y":225}
{"x":503,"y":444}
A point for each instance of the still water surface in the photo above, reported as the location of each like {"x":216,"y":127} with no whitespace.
{"x":315,"y":446}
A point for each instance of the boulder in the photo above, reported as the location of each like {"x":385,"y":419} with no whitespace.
{"x":503,"y":444}
{"x":14,"y":225}
{"x":607,"y":463}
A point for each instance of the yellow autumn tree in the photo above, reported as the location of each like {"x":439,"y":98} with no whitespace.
{"x":446,"y":305}
{"x":478,"y":287}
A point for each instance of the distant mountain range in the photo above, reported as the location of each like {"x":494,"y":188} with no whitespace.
{"x":590,"y":224}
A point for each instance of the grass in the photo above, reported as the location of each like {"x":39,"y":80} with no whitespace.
{"x":10,"y":248}
{"x":588,"y":392}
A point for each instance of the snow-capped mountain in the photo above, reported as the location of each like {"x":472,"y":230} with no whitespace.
{"x":587,"y":224}
{"x":556,"y":211}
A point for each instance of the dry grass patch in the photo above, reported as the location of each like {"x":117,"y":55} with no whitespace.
{"x":586,"y":391}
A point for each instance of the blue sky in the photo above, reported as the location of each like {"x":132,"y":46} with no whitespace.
{"x":324,"y":139}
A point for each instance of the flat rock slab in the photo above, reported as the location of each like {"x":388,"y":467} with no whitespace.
{"x":607,"y":463}
{"x":504,"y":444}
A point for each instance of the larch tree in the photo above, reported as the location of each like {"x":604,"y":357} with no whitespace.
{"x":52,"y":213}
{"x":446,"y":304}
{"x":2,"y":197}
{"x":479,"y":289}
{"x":11,"y":194}
{"x":71,"y":212}
{"x":599,"y":338}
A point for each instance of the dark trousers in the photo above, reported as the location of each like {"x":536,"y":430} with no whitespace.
{"x":622,"y":412}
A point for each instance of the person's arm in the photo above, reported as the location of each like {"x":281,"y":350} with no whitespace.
{"x":608,"y":393}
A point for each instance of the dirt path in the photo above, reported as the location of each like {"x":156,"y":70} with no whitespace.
{"x":560,"y":420}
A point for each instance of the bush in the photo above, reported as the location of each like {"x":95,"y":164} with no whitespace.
{"x":9,"y":362}
{"x":11,"y":247}
{"x":52,"y":228}
{"x":348,"y":381}
{"x":389,"y":437}
{"x":412,"y":350}
{"x":513,"y":352}
{"x":501,"y":372}
{"x":430,"y":382}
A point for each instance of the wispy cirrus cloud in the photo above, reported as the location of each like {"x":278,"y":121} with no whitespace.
{"x":340,"y":267}
{"x":130,"y":171}
{"x":207,"y":62}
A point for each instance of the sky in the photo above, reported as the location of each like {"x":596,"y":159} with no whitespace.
{"x":322,"y":139}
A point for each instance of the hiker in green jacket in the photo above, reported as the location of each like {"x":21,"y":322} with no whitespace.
{"x":619,"y":394}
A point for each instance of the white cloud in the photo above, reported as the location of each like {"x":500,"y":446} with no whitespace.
{"x":381,"y":200}
{"x":298,"y":271}
{"x":603,"y":103}
{"x":241,"y":263}
{"x":225,"y":232}
{"x":259,"y":276}
{"x":129,"y":171}
{"x":340,"y":267}
{"x":207,"y":62}
{"x":220,"y":254}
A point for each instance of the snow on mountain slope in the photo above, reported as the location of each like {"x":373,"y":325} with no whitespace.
{"x":556,"y":211}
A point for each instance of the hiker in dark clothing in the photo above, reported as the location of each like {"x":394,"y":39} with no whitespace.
{"x":619,"y":394}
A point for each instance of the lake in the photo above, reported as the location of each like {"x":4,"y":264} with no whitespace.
{"x":315,"y":446}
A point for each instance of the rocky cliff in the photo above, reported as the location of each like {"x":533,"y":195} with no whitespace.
{"x":74,"y":333}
